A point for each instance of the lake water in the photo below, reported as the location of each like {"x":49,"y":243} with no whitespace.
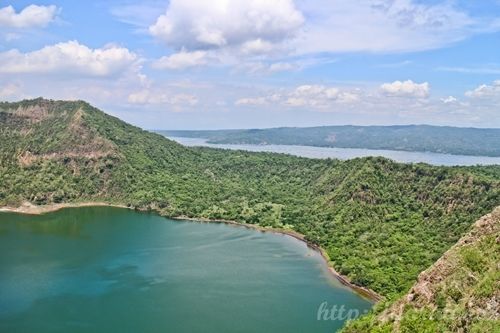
{"x":104,"y":269}
{"x":349,"y":153}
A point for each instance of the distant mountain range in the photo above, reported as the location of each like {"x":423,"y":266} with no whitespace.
{"x":424,"y":138}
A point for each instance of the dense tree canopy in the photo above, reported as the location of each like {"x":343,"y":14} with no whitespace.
{"x":380,"y":222}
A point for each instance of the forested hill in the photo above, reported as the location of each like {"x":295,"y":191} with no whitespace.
{"x":380,"y":222}
{"x":459,"y":293}
{"x":449,"y":140}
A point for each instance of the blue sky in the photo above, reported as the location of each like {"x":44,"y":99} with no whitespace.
{"x":193,"y":64}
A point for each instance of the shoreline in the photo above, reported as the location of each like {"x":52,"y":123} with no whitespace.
{"x":30,"y":209}
{"x":362,"y":291}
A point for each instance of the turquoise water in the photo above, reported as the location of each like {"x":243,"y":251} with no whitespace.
{"x":104,"y":269}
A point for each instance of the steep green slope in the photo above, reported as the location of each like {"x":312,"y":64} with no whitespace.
{"x":439,"y":139}
{"x":381,"y":222}
{"x":459,"y":293}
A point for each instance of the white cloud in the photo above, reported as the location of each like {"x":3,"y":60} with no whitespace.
{"x":182,"y":60}
{"x":319,"y":96}
{"x":405,"y":89}
{"x":260,"y":32}
{"x":383,"y":25}
{"x":253,"y":34}
{"x":257,"y":46}
{"x":313,"y":96}
{"x":449,"y":100}
{"x":147,"y":96}
{"x":485,"y":91}
{"x":69,"y":58}
{"x":32,"y":16}
{"x":367,"y":105}
{"x":252,"y":25}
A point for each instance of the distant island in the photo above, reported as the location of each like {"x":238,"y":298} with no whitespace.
{"x":421,"y":138}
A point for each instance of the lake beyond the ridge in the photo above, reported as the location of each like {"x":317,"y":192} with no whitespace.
{"x":350,"y":153}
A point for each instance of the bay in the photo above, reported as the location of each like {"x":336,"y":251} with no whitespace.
{"x":107,"y":269}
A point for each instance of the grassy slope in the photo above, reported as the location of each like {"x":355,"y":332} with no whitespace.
{"x":459,"y":293}
{"x":381,"y":222}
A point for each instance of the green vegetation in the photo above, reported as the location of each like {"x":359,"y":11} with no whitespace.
{"x":449,"y":140}
{"x":380,"y":222}
{"x":459,"y":293}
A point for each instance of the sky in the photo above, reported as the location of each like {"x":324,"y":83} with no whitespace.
{"x":196,"y":64}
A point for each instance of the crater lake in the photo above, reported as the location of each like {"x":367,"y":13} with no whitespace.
{"x":107,"y":269}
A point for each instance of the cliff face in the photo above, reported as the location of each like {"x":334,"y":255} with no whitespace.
{"x":459,"y":293}
{"x":53,"y":130}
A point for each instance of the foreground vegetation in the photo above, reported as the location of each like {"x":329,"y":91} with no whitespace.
{"x":380,"y":222}
{"x":459,"y":293}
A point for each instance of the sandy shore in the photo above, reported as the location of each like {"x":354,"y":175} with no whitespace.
{"x":28,"y":208}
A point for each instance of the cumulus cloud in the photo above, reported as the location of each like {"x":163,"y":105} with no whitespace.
{"x":485,"y":91}
{"x":32,"y":16}
{"x":405,"y":89}
{"x":319,"y":96}
{"x":69,"y":58}
{"x":314,"y":96}
{"x":182,"y":60}
{"x":250,"y":25}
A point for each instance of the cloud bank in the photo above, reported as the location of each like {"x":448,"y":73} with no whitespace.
{"x":405,"y":89}
{"x":253,"y":25}
{"x":69,"y":58}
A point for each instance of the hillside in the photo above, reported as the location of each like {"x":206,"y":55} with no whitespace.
{"x":380,"y":222}
{"x":459,"y":293}
{"x":438,"y":139}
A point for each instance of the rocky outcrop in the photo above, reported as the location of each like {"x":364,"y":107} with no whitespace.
{"x":459,"y":293}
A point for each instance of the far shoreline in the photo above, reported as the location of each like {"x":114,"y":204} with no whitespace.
{"x":30,"y":209}
{"x":346,"y":153}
